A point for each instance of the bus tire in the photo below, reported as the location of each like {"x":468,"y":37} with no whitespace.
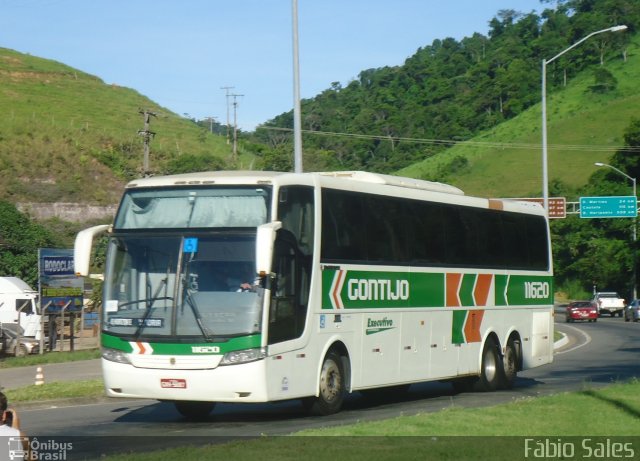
{"x":192,"y":410}
{"x":331,"y":388}
{"x":490,"y":368}
{"x":510,"y":364}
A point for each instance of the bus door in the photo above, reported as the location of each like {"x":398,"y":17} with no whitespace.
{"x":292,"y":257}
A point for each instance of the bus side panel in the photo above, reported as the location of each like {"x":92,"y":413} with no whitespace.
{"x":541,"y":340}
{"x":415,"y":346}
{"x":290,"y":374}
{"x":443,"y":353}
{"x":379,"y":349}
{"x":294,"y":366}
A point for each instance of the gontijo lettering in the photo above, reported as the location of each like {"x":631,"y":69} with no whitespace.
{"x":377,"y":290}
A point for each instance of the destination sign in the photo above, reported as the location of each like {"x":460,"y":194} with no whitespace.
{"x":609,"y":207}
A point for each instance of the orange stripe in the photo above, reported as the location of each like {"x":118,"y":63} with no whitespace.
{"x":336,"y":290}
{"x":481,"y":291}
{"x":453,"y":283}
{"x":496,"y":204}
{"x":472,"y":326}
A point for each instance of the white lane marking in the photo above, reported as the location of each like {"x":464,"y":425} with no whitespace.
{"x":587,"y":340}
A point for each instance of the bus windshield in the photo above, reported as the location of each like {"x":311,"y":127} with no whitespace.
{"x":187,"y":208}
{"x":195,"y":287}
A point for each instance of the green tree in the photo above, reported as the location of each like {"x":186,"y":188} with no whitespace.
{"x":20,"y":240}
{"x":604,"y":81}
{"x":190,"y":163}
{"x":600,"y":251}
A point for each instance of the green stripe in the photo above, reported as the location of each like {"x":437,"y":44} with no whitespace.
{"x":457,"y":328}
{"x":525,"y":290}
{"x":371,"y":289}
{"x":500,"y":283}
{"x":234,"y":344}
{"x":466,"y":289}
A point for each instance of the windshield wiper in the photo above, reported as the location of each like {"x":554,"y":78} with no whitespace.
{"x":150,"y":302}
{"x":192,"y":304}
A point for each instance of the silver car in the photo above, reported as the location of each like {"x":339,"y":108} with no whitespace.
{"x":9,"y":333}
{"x":632,"y":311}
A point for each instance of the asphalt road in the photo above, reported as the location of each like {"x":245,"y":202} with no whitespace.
{"x":595,"y":355}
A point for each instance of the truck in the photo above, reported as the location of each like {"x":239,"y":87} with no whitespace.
{"x":19,"y":305}
{"x":609,"y":302}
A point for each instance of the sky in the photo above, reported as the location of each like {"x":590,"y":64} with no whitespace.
{"x":181,"y":53}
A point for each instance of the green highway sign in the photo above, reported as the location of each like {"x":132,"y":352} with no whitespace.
{"x":609,"y":207}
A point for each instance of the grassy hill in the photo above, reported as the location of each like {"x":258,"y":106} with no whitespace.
{"x":67,"y":136}
{"x":506,"y":162}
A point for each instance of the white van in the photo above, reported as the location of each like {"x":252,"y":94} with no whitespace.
{"x":19,"y":304}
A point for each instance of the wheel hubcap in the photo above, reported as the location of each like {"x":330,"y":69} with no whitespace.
{"x":490,"y":366}
{"x":330,"y":381}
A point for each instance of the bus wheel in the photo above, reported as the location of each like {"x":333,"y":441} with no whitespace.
{"x":331,"y":387}
{"x":491,"y":367}
{"x":510,"y":364}
{"x":194,"y":410}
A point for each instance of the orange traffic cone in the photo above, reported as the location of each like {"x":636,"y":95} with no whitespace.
{"x":39,"y":376}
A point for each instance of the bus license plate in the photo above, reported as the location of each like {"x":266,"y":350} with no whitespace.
{"x":173,"y":383}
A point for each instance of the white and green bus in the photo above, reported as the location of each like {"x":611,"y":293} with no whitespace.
{"x":261,"y":287}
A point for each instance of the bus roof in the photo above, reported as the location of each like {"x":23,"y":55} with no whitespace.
{"x":410,"y":183}
{"x":207,"y":178}
{"x":235,"y":177}
{"x":261,"y":177}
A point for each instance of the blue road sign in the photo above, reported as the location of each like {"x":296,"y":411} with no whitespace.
{"x":609,"y":207}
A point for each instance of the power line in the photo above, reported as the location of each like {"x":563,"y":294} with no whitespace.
{"x":451,"y":142}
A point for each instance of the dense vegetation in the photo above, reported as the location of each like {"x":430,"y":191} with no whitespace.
{"x":452,"y":90}
{"x":601,"y":253}
{"x":20,"y":240}
{"x":67,"y":136}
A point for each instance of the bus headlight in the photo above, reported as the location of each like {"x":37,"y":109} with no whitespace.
{"x":243,"y":356}
{"x":114,"y":355}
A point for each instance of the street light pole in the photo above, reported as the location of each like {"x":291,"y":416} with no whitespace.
{"x":545,"y":168}
{"x":635,"y":222}
{"x":297,"y":124}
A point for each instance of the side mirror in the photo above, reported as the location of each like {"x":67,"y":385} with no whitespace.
{"x":265,"y":237}
{"x":82,"y":248}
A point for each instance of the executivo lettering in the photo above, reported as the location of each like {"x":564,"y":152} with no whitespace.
{"x":377,"y":290}
{"x":376,"y":326}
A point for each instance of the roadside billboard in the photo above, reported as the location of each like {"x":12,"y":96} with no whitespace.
{"x":59,"y":285}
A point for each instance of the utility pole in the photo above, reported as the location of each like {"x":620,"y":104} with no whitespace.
{"x":227,"y":88}
{"x":211,"y":120}
{"x":146,"y":137}
{"x":235,"y":125}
